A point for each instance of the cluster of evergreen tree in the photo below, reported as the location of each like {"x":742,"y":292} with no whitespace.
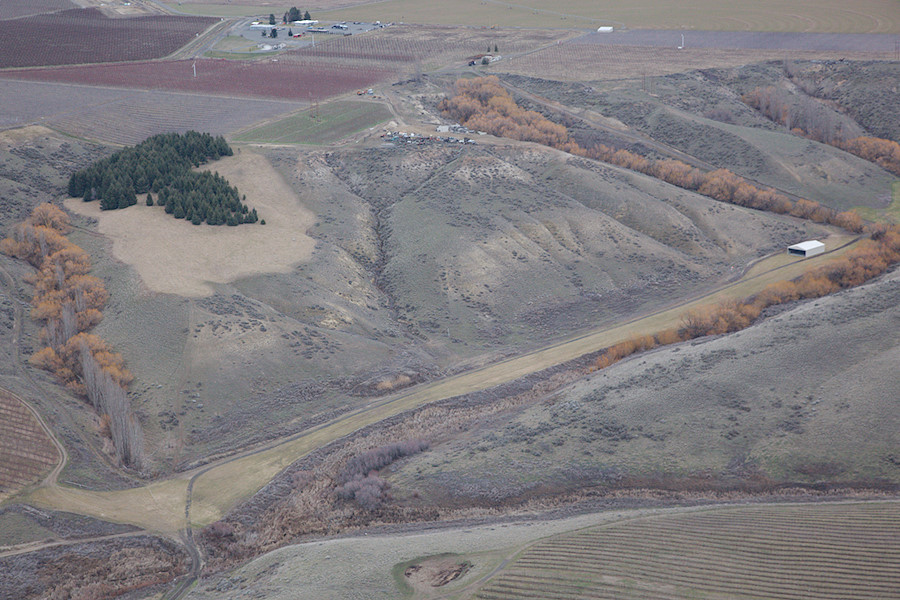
{"x":205,"y":197}
{"x":162,"y":165}
{"x":296,"y":15}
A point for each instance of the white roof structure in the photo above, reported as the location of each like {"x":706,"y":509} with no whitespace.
{"x":807,"y":246}
{"x":807,"y":249}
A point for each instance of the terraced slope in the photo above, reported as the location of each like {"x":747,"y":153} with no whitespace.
{"x":837,"y":551}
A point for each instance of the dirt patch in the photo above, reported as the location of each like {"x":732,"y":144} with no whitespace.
{"x":174,"y":256}
{"x":435,"y":572}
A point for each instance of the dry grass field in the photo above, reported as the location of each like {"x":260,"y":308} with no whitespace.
{"x":424,"y":48}
{"x":592,"y":62}
{"x":867,"y":16}
{"x":175,"y":257}
{"x":826,"y":552}
{"x":26,"y":453}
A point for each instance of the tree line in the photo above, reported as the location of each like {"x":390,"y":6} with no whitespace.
{"x":162,"y":165}
{"x":292,"y":15}
{"x":869,"y":259}
{"x":485,"y":105}
{"x":69,"y":301}
{"x":810,"y":119}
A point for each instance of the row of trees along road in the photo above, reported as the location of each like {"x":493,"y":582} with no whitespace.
{"x":162,"y":164}
{"x":290,"y":16}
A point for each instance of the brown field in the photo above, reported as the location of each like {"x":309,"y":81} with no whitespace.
{"x":26,"y":453}
{"x":264,"y":79}
{"x":14,"y":10}
{"x":824,"y":552}
{"x":121,"y":116}
{"x":175,"y":257}
{"x":87,"y":36}
{"x":575,"y":61}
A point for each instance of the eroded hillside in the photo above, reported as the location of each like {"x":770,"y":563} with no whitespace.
{"x":427,"y":259}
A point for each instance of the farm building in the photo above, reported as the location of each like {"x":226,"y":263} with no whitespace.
{"x":807,"y":249}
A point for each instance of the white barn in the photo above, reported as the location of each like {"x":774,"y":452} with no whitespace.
{"x":807,"y":249}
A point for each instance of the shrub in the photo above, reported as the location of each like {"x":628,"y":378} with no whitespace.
{"x":378,"y":458}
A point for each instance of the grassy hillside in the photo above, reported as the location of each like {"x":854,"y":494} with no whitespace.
{"x":406,"y":280}
{"x":701,"y":113}
{"x":758,"y":409}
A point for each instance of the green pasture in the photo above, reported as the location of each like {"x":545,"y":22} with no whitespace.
{"x":223,"y":10}
{"x":325,"y":124}
{"x":890,"y":214}
{"x":234,"y":55}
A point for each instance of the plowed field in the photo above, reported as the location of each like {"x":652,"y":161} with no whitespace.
{"x":25,"y":450}
{"x":87,"y":36}
{"x":14,"y":10}
{"x":839,"y":551}
{"x":257,"y":79}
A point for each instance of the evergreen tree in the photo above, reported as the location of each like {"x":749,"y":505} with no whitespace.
{"x":306,"y":16}
{"x":162,"y":165}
